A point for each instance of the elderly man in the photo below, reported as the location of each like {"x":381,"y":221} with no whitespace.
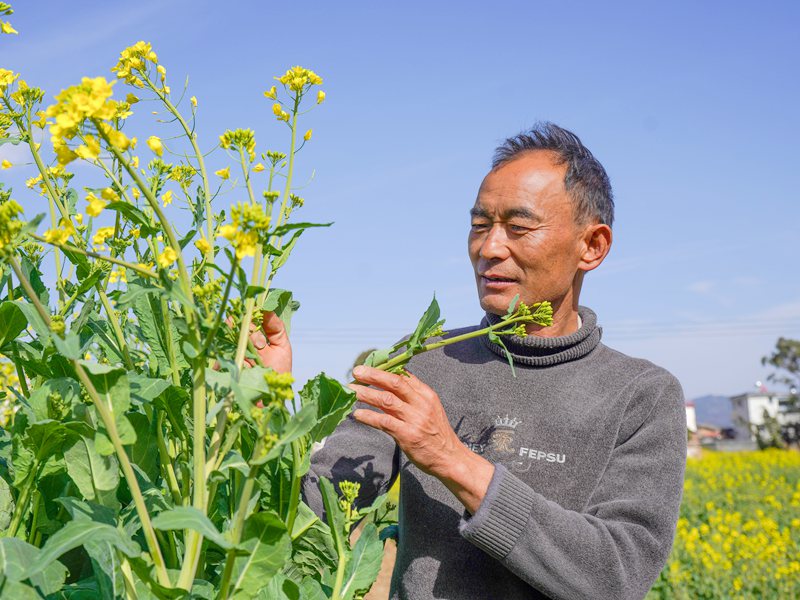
{"x":564,"y":481}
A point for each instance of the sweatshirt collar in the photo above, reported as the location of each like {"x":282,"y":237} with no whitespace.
{"x":536,"y":351}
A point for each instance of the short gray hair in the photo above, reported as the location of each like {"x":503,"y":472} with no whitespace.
{"x":586,"y":180}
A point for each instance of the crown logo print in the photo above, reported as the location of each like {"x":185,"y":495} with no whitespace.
{"x":506,"y":422}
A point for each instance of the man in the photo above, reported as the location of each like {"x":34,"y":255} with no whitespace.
{"x":564,"y":481}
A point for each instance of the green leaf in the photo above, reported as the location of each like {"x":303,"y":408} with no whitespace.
{"x":69,"y":346}
{"x":512,"y":306}
{"x":67,"y":388}
{"x":282,"y":304}
{"x":6,"y":504}
{"x":82,"y":510}
{"x":34,"y":276}
{"x":283,"y":229}
{"x":333,"y":514}
{"x":286,"y":250}
{"x":151,"y":319}
{"x":144,"y":451}
{"x":364,"y":564}
{"x":188,"y":517}
{"x":96,"y":476}
{"x":12,"y":322}
{"x":105,"y":338}
{"x":427,"y":324}
{"x":333,"y":404}
{"x":16,"y":556}
{"x":34,"y":320}
{"x":135,"y":215}
{"x":75,"y":534}
{"x":300,"y":424}
{"x":112,"y":387}
{"x":268,"y":548}
{"x":145,"y":389}
{"x":280,"y":587}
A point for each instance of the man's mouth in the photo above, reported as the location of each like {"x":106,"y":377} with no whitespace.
{"x":497,"y":280}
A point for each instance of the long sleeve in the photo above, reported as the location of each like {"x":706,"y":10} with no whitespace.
{"x":354,"y":452}
{"x":616,"y":546}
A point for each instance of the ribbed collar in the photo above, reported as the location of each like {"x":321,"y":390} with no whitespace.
{"x":536,"y":351}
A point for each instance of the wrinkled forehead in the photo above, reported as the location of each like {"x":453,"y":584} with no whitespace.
{"x":529,"y":183}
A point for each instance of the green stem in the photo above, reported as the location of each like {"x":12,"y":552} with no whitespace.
{"x":111,"y":259}
{"x":111,"y":429}
{"x":405,"y":356}
{"x":22,"y":501}
{"x":115,"y":327}
{"x":238,"y":524}
{"x":166,"y":462}
{"x":294,"y":493}
{"x":193,"y":139}
{"x":130,"y":477}
{"x":173,"y":359}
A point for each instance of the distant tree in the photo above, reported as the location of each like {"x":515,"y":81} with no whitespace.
{"x":785,"y":359}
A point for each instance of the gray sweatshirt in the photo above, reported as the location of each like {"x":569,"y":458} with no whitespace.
{"x":589,"y":448}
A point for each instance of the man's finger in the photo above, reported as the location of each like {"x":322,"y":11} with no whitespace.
{"x":390,"y":382}
{"x":378,"y":420}
{"x":274,"y":329}
{"x":385,"y":401}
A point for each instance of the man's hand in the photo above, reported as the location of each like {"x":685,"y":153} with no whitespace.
{"x":413,"y":415}
{"x":272,"y":344}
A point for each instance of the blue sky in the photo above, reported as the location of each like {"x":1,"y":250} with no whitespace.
{"x":692,"y":110}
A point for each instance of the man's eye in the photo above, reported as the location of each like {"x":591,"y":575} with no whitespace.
{"x":518,"y":229}
{"x":479,"y":226}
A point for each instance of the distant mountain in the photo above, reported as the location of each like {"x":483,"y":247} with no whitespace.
{"x":713,"y":410}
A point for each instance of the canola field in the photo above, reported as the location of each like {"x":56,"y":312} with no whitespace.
{"x":738,"y":535}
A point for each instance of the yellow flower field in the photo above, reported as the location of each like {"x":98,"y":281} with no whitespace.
{"x":739,"y":531}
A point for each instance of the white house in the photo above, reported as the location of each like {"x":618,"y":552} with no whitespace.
{"x":691,"y":416}
{"x":748,"y":410}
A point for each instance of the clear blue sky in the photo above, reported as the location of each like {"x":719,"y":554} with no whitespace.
{"x":693,"y":110}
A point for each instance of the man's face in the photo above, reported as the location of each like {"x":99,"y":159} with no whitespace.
{"x":524,"y":239}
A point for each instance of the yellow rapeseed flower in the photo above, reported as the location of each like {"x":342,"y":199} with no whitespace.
{"x":7,"y":78}
{"x":258,"y":168}
{"x":58,"y":235}
{"x":193,"y":100}
{"x":167,"y":198}
{"x":308,"y":134}
{"x":95,"y":206}
{"x":297,"y":78}
{"x":320,"y":97}
{"x":6,"y":164}
{"x":91,"y":150}
{"x":154,"y":143}
{"x":10,"y":225}
{"x":203,"y":245}
{"x":101,"y":235}
{"x":167,"y":257}
{"x":109,"y":194}
{"x":131,"y":98}
{"x":224,"y":173}
{"x":6,"y":27}
{"x":271,"y":93}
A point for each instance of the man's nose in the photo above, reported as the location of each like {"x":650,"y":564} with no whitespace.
{"x":495,"y":244}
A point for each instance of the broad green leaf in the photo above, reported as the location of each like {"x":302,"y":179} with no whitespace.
{"x":111,"y":384}
{"x":512,"y":306}
{"x":15,"y":558}
{"x":267,"y":546}
{"x":18,"y":591}
{"x":82,"y":510}
{"x":364,"y":564}
{"x":427,"y":324}
{"x":34,"y":276}
{"x":96,"y":476}
{"x":250,"y":387}
{"x":69,"y":346}
{"x":188,"y":517}
{"x":152,"y":324}
{"x":282,"y":304}
{"x":280,"y":587}
{"x":6,"y":504}
{"x":12,"y":322}
{"x":145,"y":389}
{"x":144,"y":451}
{"x":333,"y":404}
{"x":34,"y":320}
{"x":310,"y":589}
{"x":75,"y":534}
{"x":300,"y":424}
{"x":105,"y":338}
{"x":68,"y":390}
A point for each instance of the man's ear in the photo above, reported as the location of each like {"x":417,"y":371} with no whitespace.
{"x":595,"y":245}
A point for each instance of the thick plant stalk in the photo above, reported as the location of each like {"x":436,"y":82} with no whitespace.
{"x":111,"y":428}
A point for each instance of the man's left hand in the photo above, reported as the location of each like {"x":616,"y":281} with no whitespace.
{"x":413,"y":415}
